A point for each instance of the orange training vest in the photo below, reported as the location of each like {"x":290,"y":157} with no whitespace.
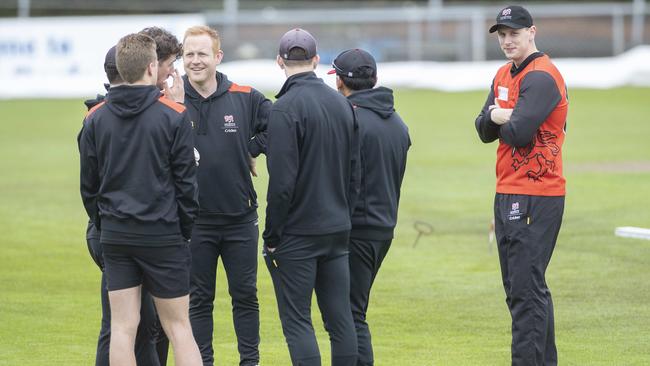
{"x":537,"y":168}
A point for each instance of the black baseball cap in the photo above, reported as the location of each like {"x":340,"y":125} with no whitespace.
{"x":514,"y":17}
{"x":299,"y":38}
{"x":354,"y":63}
{"x":109,"y":60}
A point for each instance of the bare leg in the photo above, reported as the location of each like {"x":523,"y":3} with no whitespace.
{"x":125,"y":316}
{"x":175,"y":319}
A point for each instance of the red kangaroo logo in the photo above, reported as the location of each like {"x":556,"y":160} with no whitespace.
{"x":537,"y":162}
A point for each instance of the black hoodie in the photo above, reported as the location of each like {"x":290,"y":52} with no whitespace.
{"x":138,"y":173}
{"x":384,"y":145}
{"x":92,"y":234}
{"x":312,"y":159}
{"x":229,"y":125}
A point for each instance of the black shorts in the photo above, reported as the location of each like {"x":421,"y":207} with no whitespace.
{"x":163,"y":271}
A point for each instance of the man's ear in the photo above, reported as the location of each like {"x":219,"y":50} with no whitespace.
{"x":315,"y":61}
{"x":533,"y":31}
{"x":152,"y":69}
{"x":280,"y":61}
{"x":219,"y":56}
{"x":339,"y":83}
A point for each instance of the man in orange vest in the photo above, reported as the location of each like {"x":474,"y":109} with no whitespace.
{"x":526,"y":111}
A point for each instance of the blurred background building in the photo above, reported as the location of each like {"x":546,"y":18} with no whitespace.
{"x":55,"y":48}
{"x":433,"y":30}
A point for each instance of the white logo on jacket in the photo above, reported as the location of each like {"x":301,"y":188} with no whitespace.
{"x":197,"y":156}
{"x":229,"y":124}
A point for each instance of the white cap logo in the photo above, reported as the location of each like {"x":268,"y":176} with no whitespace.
{"x":506,"y":12}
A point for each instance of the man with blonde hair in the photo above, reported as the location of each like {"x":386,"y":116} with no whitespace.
{"x":526,"y":111}
{"x":138,"y":185}
{"x":229,"y":131}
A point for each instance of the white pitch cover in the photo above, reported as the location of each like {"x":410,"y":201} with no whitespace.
{"x":632,"y":232}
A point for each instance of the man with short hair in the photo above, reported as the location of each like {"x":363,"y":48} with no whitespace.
{"x":312,"y":160}
{"x":229,"y":123}
{"x":168,"y":50}
{"x":138,"y":185}
{"x":526,"y":111}
{"x":145,"y":341}
{"x":384,"y":145}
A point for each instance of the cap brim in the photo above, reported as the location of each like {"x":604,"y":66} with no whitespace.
{"x":505,"y":24}
{"x":333,"y":71}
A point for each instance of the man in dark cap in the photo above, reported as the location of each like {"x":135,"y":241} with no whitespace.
{"x":384,"y":145}
{"x":526,"y":111}
{"x":148,"y":329}
{"x":312,"y":159}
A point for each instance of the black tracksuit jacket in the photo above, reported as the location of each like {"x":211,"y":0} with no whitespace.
{"x":229,"y":125}
{"x":384,"y":145}
{"x":138,"y":173}
{"x":312,"y":160}
{"x":91,"y":231}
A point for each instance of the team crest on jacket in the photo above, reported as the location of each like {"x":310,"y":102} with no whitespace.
{"x":538,"y":157}
{"x":229,"y":125}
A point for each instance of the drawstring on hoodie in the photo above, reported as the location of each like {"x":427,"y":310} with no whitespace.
{"x":202,"y":128}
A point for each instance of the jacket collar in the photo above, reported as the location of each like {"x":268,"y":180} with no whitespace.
{"x":301,"y":78}
{"x":223,"y":84}
{"x":514,"y":70}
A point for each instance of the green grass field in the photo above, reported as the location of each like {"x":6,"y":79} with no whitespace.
{"x":440,"y":303}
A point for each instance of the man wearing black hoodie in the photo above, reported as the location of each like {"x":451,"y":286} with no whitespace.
{"x":146,"y":351}
{"x":312,"y":161}
{"x":230,"y":126}
{"x":138,"y":185}
{"x":384,"y":145}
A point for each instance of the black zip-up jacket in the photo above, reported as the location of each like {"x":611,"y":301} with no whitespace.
{"x":92,"y":234}
{"x":138,"y":173}
{"x":312,"y":159}
{"x":229,"y":125}
{"x":384,"y":145}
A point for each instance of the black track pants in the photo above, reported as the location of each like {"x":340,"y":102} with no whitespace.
{"x":366,"y":257}
{"x":304,"y":264}
{"x":237,"y":247}
{"x":526,"y":229}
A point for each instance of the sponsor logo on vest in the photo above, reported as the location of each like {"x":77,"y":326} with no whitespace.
{"x":502,"y":93}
